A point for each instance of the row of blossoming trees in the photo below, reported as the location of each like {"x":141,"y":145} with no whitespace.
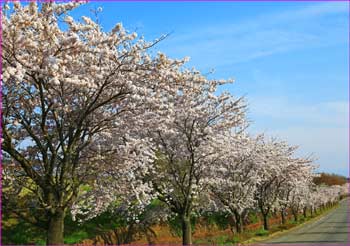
{"x":90,"y":119}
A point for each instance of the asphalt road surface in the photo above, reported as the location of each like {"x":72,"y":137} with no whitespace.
{"x":332,"y":228}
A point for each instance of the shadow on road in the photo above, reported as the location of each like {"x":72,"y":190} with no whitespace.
{"x":312,"y":242}
{"x":321,"y":232}
{"x":334,"y":222}
{"x":335,"y":226}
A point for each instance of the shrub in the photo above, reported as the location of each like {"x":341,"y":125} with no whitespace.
{"x":262,"y":232}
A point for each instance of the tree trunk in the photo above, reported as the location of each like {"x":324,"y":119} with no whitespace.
{"x":283,"y":216}
{"x":295,"y":214}
{"x":266,"y":222}
{"x":304,"y":212}
{"x":55,"y":228}
{"x":186,"y":230}
{"x":238,"y":223}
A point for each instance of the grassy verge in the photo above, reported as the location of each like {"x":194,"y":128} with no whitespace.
{"x":259,"y":235}
{"x":290,"y":226}
{"x":19,"y":232}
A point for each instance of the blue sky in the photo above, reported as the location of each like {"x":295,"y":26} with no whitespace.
{"x":289,"y":59}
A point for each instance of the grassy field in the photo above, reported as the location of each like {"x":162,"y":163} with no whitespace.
{"x":213,"y":229}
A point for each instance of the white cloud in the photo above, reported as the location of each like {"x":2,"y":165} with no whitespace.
{"x":321,"y":9}
{"x":319,"y":128}
{"x":328,"y":144}
{"x":333,"y":113}
{"x":261,"y":36}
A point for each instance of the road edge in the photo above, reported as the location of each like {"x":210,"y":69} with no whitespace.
{"x":280,"y":233}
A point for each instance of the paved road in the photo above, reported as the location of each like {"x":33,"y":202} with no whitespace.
{"x":332,"y":228}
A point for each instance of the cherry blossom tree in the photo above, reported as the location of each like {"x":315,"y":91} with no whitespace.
{"x":276,"y":157}
{"x":266,"y":169}
{"x":90,"y":119}
{"x":74,"y":103}
{"x":297,"y":199}
{"x":294,"y":190}
{"x":235,"y":181}
{"x":189,"y":140}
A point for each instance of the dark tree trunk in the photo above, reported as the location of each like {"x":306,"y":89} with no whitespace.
{"x":283,"y":216}
{"x":266,"y":222}
{"x":295,"y":214}
{"x":56,"y":227}
{"x":238,"y":218}
{"x":304,"y":212}
{"x":186,"y":230}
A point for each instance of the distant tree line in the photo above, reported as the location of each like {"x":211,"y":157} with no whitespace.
{"x":330,"y":179}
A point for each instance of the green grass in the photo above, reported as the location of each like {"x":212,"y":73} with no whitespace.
{"x":222,"y":239}
{"x":40,"y":242}
{"x":261,"y":232}
{"x":16,"y":231}
{"x":76,"y":237}
{"x":219,"y":240}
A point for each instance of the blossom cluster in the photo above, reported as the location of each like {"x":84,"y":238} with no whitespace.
{"x":92,"y":121}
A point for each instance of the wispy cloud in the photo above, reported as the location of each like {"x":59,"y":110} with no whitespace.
{"x":328,"y":144}
{"x":265,"y":35}
{"x":303,"y":105}
{"x":320,"y":129}
{"x":334,"y":113}
{"x":325,"y":8}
